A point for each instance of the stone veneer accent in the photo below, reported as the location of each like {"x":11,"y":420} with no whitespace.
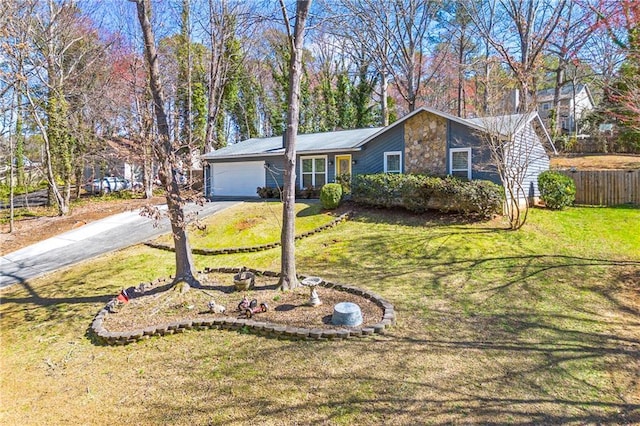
{"x":259,"y":327}
{"x":425,"y":148}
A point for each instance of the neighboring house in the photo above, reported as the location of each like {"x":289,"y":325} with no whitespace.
{"x":426,"y":141}
{"x":574,"y":105}
{"x":115,"y":157}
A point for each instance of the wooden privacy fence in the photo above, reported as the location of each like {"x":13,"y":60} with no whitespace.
{"x":606,"y":187}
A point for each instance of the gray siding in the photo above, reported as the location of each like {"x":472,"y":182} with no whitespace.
{"x":461,"y":136}
{"x":532,"y":157}
{"x":275,"y":172}
{"x":371,"y":159}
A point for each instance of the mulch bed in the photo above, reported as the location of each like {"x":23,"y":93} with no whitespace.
{"x":162,"y":304}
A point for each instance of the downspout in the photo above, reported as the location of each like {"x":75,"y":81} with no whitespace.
{"x":206,"y":175}
{"x":448,"y":145}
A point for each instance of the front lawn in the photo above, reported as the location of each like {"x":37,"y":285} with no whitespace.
{"x":251,"y":224}
{"x":538,"y":326}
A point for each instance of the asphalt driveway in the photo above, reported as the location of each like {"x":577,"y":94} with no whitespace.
{"x":93,"y":239}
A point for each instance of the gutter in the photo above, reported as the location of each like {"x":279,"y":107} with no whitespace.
{"x":277,"y":154}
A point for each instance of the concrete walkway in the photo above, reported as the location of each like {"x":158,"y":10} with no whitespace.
{"x":93,"y":239}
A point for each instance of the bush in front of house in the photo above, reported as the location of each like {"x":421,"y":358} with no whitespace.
{"x":556,"y":190}
{"x":379,"y":190}
{"x":330,"y":196}
{"x":344,"y":180}
{"x":268,"y":192}
{"x":308,"y":192}
{"x":419,"y":193}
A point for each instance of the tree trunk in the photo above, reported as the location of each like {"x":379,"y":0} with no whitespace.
{"x":147,"y":169}
{"x":185,"y":271}
{"x":557,"y":130}
{"x":289,"y":278}
{"x":217,"y":74}
{"x":384,"y":89}
{"x":460,"y":74}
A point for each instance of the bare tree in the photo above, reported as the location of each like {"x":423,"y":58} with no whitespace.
{"x":167,"y":155}
{"x":462,"y":45}
{"x":510,"y":140}
{"x":289,"y":277}
{"x":55,"y":55}
{"x":52,"y":52}
{"x":573,"y":32}
{"x":12,"y":81}
{"x":223,"y":23}
{"x":398,"y":35}
{"x":531,"y":24}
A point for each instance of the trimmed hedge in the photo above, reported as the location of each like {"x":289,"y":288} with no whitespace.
{"x":330,"y":196}
{"x":556,"y":190}
{"x":419,"y":193}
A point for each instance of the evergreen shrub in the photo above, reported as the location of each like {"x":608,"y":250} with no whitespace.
{"x":330,"y":196}
{"x":419,"y":193}
{"x":556,"y":190}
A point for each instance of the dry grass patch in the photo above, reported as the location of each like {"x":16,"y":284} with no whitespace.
{"x":596,"y":161}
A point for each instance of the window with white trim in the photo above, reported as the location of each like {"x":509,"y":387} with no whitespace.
{"x":313,"y":172}
{"x":460,"y":162}
{"x":393,"y":162}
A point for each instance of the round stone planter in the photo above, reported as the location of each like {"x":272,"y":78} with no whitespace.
{"x":346,"y":313}
{"x":244,"y":280}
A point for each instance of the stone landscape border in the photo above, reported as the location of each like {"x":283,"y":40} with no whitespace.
{"x":208,"y":252}
{"x":268,"y":329}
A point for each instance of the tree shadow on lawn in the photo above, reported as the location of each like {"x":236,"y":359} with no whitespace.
{"x":467,"y":408}
{"x":36,"y":307}
{"x":535,"y":385}
{"x":36,"y":299}
{"x":432,"y":251}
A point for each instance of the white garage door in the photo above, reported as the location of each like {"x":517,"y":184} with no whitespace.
{"x":237,"y":179}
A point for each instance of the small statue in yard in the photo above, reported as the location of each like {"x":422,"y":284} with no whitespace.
{"x":216,"y":308}
{"x":312,"y":283}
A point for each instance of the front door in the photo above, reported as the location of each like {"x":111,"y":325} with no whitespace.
{"x":343,"y":165}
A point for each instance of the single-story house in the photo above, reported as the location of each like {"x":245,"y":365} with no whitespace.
{"x":426,"y":141}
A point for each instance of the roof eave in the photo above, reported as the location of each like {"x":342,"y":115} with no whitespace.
{"x":279,"y":153}
{"x":327,"y":151}
{"x":231,"y":157}
{"x":548,"y":136}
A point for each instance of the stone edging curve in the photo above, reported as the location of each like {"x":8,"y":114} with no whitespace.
{"x":259,"y":327}
{"x":208,"y":252}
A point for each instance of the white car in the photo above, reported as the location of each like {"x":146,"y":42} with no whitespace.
{"x":106,"y":185}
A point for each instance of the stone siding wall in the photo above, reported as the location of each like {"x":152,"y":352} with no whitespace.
{"x":425,"y":137}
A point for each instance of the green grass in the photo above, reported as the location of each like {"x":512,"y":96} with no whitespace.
{"x":5,"y":190}
{"x":538,"y":326}
{"x":251,"y":224}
